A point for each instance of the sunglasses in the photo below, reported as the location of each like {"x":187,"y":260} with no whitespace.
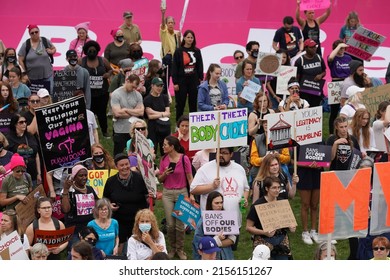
{"x":238,"y":57}
{"x":20,"y":171}
{"x":379,"y":248}
{"x":34,"y":101}
{"x":22,"y":122}
{"x":34,"y":32}
{"x":140,"y":128}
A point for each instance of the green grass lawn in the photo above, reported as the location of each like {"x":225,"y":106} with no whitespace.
{"x":300,"y":250}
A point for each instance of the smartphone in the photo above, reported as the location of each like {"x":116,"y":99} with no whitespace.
{"x":172,"y":165}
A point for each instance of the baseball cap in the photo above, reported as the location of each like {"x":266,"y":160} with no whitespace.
{"x":208,"y":245}
{"x":352,"y":90}
{"x":70,"y":53}
{"x":309,"y":43}
{"x":157,"y":81}
{"x":127,"y":14}
{"x":42,"y":93}
{"x":261,"y":252}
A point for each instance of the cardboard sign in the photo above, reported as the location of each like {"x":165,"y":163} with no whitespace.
{"x":11,"y":248}
{"x":53,"y":238}
{"x":371,"y":97}
{"x":364,"y":43}
{"x":285,"y":73}
{"x":63,"y":133}
{"x":250,"y":91}
{"x":65,"y":84}
{"x":268,"y":64}
{"x":334,"y":92}
{"x":233,"y":129}
{"x":97,"y":180}
{"x":308,"y":85}
{"x":145,"y":161}
{"x":227,"y":75}
{"x":276,"y":215}
{"x":217,"y":222}
{"x":321,"y":154}
{"x":186,"y":212}
{"x":26,"y":212}
{"x":314,"y":4}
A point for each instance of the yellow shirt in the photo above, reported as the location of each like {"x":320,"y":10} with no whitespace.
{"x":169,"y":42}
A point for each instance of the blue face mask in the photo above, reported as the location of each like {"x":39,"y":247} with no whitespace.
{"x":145,"y":227}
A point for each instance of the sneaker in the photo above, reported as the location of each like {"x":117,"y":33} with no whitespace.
{"x":314,"y":236}
{"x":334,"y":241}
{"x":106,"y":135}
{"x":306,"y":238}
{"x":182,"y":255}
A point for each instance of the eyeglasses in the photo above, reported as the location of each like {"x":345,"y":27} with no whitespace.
{"x":22,"y":122}
{"x":379,"y":248}
{"x":239,"y":57}
{"x":140,"y":128}
{"x":34,"y":32}
{"x":20,"y":171}
{"x":45,"y":208}
{"x":34,"y":101}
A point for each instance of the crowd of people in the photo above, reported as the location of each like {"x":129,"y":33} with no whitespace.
{"x":121,"y":223}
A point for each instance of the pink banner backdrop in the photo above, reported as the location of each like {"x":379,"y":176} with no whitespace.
{"x":220,"y":26}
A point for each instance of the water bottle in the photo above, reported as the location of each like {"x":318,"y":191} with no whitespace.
{"x":242,"y":205}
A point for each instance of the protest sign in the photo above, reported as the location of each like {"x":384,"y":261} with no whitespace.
{"x":36,"y":85}
{"x":372,"y":96}
{"x":53,"y":238}
{"x":280,"y":132}
{"x":65,"y":84}
{"x":227,"y":75}
{"x":217,"y":222}
{"x":145,"y":161}
{"x":318,"y":153}
{"x":57,"y":212}
{"x":140,"y":69}
{"x":63,"y":133}
{"x":11,"y":247}
{"x":5,"y":120}
{"x":364,"y":43}
{"x":26,"y":212}
{"x":186,"y":212}
{"x":250,"y":91}
{"x":310,"y":86}
{"x":97,"y":180}
{"x":275,"y":215}
{"x":334,"y":92}
{"x":268,"y":64}
{"x":308,"y":125}
{"x":8,"y":170}
{"x":285,"y":73}
{"x":204,"y":127}
{"x":314,"y":4}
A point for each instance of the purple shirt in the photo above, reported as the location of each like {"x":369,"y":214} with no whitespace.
{"x":339,"y":67}
{"x":177,"y":179}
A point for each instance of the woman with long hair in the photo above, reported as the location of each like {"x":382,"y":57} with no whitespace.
{"x":354,"y":102}
{"x":187,"y":73}
{"x":9,"y":106}
{"x":360,"y":128}
{"x":213,"y":92}
{"x":175,"y":175}
{"x":224,"y":241}
{"x":261,"y":107}
{"x":19,"y":89}
{"x":9,"y":223}
{"x":146,"y":239}
{"x":379,"y":126}
{"x":101,"y":158}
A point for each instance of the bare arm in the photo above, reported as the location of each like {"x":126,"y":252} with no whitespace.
{"x":163,"y":18}
{"x":206,"y":188}
{"x":325,"y":15}
{"x":153,"y":115}
{"x":275,"y":46}
{"x":335,"y":51}
{"x":33,"y":127}
{"x":298,"y":17}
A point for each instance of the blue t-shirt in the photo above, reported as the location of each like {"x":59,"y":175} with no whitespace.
{"x":106,"y":236}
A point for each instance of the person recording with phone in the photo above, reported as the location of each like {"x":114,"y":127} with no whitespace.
{"x":77,"y":201}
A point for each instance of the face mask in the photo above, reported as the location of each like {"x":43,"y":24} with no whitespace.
{"x":137,"y":54}
{"x":255,"y":54}
{"x":92,"y":54}
{"x":145,"y":227}
{"x":11,"y":59}
{"x":160,"y":71}
{"x":119,"y":39}
{"x":73,"y":62}
{"x":98,"y":159}
{"x":1,"y":147}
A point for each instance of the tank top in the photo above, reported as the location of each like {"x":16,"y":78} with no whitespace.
{"x":98,"y":84}
{"x":312,"y":33}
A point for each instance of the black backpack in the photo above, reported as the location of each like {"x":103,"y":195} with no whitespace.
{"x":45,"y":44}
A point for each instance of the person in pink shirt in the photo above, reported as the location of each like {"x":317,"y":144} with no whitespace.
{"x":82,"y":37}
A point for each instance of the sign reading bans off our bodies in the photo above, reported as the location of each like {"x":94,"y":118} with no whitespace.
{"x":217,"y":222}
{"x":204,"y":126}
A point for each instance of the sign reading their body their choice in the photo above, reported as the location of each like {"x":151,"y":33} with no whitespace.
{"x":364,"y":43}
{"x":302,"y":126}
{"x":186,"y":212}
{"x":314,"y":4}
{"x":227,"y":76}
{"x":63,"y":133}
{"x":217,"y":222}
{"x":275,"y":215}
{"x":65,"y":84}
{"x":204,"y":127}
{"x":11,"y":247}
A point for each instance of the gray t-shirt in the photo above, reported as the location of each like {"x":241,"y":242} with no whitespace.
{"x":120,"y":97}
{"x":346,"y":84}
{"x":38,"y":65}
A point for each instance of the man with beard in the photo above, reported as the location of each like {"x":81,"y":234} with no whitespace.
{"x":288,"y":37}
{"x":356,"y":78}
{"x":232,"y":182}
{"x":252,"y":49}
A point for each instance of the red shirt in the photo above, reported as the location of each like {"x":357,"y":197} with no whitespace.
{"x":186,"y":146}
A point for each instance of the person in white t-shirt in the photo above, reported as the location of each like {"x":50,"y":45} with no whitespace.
{"x":232,"y":182}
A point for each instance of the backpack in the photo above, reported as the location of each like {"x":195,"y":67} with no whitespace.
{"x":45,"y":44}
